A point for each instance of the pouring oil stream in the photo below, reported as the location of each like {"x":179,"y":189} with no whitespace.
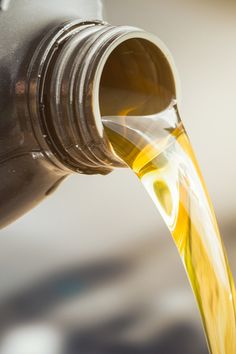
{"x":157,"y":148}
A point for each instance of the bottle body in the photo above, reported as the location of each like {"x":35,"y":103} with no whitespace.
{"x":27,"y":175}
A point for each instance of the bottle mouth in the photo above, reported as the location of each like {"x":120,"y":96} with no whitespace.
{"x":84,"y":71}
{"x":135,"y":78}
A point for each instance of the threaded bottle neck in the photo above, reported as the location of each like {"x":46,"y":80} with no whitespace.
{"x":63,"y":94}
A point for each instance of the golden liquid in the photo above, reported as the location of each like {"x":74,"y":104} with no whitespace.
{"x":156,"y":147}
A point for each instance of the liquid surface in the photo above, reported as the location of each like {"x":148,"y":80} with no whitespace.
{"x":158,"y":150}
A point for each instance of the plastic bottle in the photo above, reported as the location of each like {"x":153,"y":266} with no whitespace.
{"x":51,"y":63}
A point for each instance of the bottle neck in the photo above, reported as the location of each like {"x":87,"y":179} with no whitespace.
{"x":64,"y":79}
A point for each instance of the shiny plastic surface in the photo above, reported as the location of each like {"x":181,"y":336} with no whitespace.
{"x":26,"y":174}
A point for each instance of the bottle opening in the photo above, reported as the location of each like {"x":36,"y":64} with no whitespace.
{"x":137,"y":95}
{"x":136,"y":80}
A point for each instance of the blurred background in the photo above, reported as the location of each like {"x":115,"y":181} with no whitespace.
{"x":93,"y":269}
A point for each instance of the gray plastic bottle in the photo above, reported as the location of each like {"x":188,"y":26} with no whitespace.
{"x":52,"y":55}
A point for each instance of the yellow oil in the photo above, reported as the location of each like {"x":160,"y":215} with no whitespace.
{"x":157,"y":148}
{"x":140,"y":115}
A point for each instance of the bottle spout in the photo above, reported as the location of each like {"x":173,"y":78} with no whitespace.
{"x":84,"y":71}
